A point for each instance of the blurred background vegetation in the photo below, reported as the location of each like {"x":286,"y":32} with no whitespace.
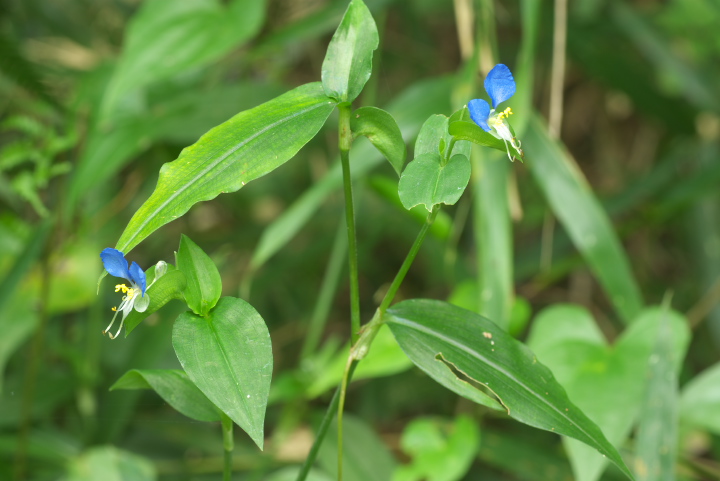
{"x":80,"y":151}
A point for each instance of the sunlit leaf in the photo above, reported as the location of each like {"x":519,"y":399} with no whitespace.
{"x":448,"y":342}
{"x":348,"y":62}
{"x":250,"y":145}
{"x":228,"y":355}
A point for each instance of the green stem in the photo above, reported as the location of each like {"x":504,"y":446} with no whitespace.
{"x":390,"y":294}
{"x":323,"y":429}
{"x":228,"y":446}
{"x":345,"y":141}
{"x":341,"y":407}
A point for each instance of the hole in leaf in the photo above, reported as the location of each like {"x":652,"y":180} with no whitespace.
{"x":474,"y":383}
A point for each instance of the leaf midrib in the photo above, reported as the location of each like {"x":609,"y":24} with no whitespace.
{"x":187,"y":184}
{"x":421,"y":328}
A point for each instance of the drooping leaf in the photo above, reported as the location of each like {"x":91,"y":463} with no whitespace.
{"x":381,"y":129}
{"x":228,"y":355}
{"x":427,"y":181}
{"x":250,"y":145}
{"x":598,"y":377}
{"x":166,"y":38}
{"x":174,"y":386}
{"x":348,"y":62}
{"x":204,"y":285}
{"x":168,"y":287}
{"x":582,"y":216}
{"x":446,"y":341}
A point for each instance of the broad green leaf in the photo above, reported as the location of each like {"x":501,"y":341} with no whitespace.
{"x":656,"y":438}
{"x":204,"y":285}
{"x":443,"y":340}
{"x":228,"y":355}
{"x":109,"y":463}
{"x":250,"y":145}
{"x":441,"y":450}
{"x":174,"y":386}
{"x":584,"y":219}
{"x":381,"y":129}
{"x":348,"y":61}
{"x":414,"y":104}
{"x":166,"y":38}
{"x":427,"y":181}
{"x":168,"y":287}
{"x":365,"y":455}
{"x":493,"y":232}
{"x":700,"y":400}
{"x":599,"y":377}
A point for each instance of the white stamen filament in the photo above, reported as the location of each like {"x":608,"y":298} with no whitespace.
{"x":125,"y":306}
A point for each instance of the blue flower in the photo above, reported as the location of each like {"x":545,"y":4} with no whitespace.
{"x":135,"y":296}
{"x":500,"y":86}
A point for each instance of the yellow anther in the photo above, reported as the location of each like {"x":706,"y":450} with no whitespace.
{"x":505,"y":113}
{"x":122,"y":287}
{"x":114,"y":309}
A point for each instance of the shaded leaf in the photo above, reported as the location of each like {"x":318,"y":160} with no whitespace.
{"x":381,"y":129}
{"x":174,"y":386}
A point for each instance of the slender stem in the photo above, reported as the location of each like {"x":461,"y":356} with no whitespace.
{"x":323,"y":429}
{"x":228,"y":446}
{"x":390,"y":294}
{"x":341,"y":407}
{"x":345,"y":141}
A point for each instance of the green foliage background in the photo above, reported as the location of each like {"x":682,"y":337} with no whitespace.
{"x":95,"y":96}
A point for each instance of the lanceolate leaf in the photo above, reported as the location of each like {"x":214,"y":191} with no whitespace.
{"x":583,"y":218}
{"x":246,"y":147}
{"x":434,"y":333}
{"x":174,"y":386}
{"x":228,"y":355}
{"x":348,"y":62}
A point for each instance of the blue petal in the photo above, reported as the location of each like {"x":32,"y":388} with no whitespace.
{"x":500,"y":84}
{"x":115,"y":263}
{"x":137,"y":276}
{"x":479,"y":112}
